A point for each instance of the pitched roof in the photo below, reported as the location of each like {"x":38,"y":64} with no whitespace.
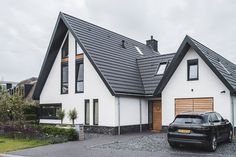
{"x":124,"y":70}
{"x":211,"y":58}
{"x":148,"y":66}
{"x":117,"y":66}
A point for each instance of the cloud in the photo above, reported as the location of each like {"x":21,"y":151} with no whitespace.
{"x":26,"y":26}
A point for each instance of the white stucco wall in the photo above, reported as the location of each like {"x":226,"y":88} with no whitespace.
{"x":208,"y":85}
{"x":130,"y":111}
{"x":94,"y":88}
{"x":233,"y":107}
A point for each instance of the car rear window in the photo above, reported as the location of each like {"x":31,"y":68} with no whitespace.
{"x":188,"y":119}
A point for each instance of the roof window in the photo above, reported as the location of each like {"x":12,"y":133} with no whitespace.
{"x":161,"y":68}
{"x":224,"y":67}
{"x":139,"y":51}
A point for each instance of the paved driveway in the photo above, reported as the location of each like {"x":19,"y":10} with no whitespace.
{"x":106,"y":146}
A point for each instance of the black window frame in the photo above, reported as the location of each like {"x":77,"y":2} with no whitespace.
{"x":78,"y":61}
{"x":190,"y":63}
{"x":62,"y":65}
{"x":159,"y":65}
{"x":66,"y":41}
{"x":76,"y":48}
{"x":85,"y":113}
{"x":94,"y":101}
{"x":41,"y":116}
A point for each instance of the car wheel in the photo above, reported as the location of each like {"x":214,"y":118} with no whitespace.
{"x":230,"y":138}
{"x":213,"y":144}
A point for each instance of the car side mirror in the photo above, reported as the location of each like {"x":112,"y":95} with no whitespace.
{"x":225,"y":120}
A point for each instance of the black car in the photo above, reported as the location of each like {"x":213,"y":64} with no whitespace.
{"x":201,"y":128}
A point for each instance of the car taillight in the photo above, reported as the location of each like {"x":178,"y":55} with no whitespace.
{"x":171,"y":129}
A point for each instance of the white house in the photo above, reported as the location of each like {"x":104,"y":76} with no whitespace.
{"x":120,"y":85}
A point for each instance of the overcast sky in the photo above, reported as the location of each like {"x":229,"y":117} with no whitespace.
{"x":26,"y":26}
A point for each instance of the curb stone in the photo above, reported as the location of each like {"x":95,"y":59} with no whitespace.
{"x":8,"y":155}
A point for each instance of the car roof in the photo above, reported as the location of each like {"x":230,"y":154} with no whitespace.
{"x":195,"y":113}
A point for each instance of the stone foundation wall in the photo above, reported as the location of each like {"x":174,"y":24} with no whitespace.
{"x":114,"y":130}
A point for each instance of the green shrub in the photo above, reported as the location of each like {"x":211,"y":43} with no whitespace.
{"x":68,"y":133}
{"x":29,"y":117}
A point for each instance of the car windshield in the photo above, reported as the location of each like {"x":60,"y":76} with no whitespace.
{"x":188,"y":119}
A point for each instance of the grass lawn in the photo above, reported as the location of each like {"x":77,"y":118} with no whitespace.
{"x":8,"y":144}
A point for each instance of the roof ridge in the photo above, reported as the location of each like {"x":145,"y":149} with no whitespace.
{"x":156,"y":55}
{"x":104,"y":29}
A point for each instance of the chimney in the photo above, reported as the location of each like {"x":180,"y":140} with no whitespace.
{"x":152,"y":43}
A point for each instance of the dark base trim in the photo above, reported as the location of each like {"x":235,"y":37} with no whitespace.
{"x":114,"y":130}
{"x":164,"y":128}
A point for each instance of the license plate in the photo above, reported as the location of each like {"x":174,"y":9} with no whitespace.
{"x":184,"y":131}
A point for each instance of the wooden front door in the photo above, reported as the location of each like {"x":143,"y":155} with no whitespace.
{"x":157,"y":116}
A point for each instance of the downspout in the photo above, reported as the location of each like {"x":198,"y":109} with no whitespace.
{"x":140,"y":112}
{"x":232,"y":108}
{"x":118,"y":115}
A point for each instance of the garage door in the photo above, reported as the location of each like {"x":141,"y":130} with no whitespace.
{"x":193,"y":105}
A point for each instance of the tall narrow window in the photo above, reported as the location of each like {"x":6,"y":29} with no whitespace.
{"x":95,"y":112}
{"x":192,"y":69}
{"x":78,"y":48}
{"x":87,"y":111}
{"x":79,"y":76}
{"x":64,"y":78}
{"x":65,"y":48}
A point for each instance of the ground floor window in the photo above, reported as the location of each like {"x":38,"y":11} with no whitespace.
{"x":87,"y":111}
{"x":49,"y":111}
{"x":95,"y":112}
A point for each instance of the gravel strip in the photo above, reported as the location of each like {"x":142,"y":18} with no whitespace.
{"x":158,"y":143}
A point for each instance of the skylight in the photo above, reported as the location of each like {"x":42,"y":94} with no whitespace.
{"x":224,"y":67}
{"x":139,"y":51}
{"x":161,"y":68}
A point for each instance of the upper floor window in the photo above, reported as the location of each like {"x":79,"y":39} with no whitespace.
{"x":65,"y":48}
{"x":139,"y":51}
{"x":192,"y":69}
{"x":78,"y":48}
{"x":64,"y":78}
{"x":224,"y":67}
{"x":161,"y":69}
{"x":79,"y":76}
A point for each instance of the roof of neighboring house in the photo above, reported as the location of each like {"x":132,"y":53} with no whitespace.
{"x":6,"y":82}
{"x":31,"y":80}
{"x":148,"y":66}
{"x":223,"y":68}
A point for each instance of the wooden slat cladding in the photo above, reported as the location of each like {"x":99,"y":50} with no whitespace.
{"x":157,"y":116}
{"x":193,"y":105}
{"x":79,"y":56}
{"x":183,"y":105}
{"x":204,"y":104}
{"x":63,"y":60}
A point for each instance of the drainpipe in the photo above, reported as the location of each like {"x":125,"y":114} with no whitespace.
{"x":140,"y":110}
{"x":118,"y":115}
{"x":232,"y":108}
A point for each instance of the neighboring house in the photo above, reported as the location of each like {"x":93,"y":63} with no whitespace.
{"x":27,"y":86}
{"x":120,"y":85}
{"x":6,"y":85}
